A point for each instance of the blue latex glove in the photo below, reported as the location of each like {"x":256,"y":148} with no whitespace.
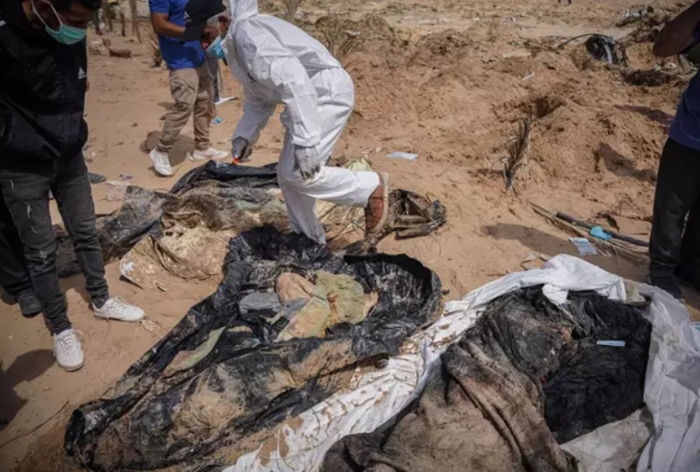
{"x":599,"y":233}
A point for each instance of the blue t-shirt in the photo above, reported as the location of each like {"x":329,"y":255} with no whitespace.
{"x":177,"y":54}
{"x":685,"y":128}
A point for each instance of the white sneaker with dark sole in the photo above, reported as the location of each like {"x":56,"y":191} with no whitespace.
{"x":211,"y":153}
{"x":68,"y":350}
{"x":161,"y":163}
{"x":117,"y":309}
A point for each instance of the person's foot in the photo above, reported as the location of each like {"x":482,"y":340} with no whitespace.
{"x":667,"y":284}
{"x":161,"y":163}
{"x":29,"y":305}
{"x":687,"y":277}
{"x":117,"y":309}
{"x":68,"y":351}
{"x":211,"y":153}
{"x":377,"y":209}
{"x":96,"y":178}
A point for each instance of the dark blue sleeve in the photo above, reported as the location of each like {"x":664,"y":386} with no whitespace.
{"x":159,"y":6}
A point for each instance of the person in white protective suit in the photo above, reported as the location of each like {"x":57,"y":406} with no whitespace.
{"x":278,"y":63}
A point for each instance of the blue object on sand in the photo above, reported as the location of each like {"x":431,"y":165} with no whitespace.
{"x":599,"y":232}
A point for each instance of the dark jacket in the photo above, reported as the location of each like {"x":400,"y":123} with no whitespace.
{"x":42,"y":91}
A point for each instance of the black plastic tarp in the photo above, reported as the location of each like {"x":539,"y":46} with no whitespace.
{"x":526,"y":377}
{"x":217,"y":384}
{"x":411,"y":215}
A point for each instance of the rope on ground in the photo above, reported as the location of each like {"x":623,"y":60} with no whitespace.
{"x":33,"y":430}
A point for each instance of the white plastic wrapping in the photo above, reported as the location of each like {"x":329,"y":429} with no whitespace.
{"x":671,"y":390}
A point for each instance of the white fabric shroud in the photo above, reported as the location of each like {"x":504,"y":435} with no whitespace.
{"x":671,"y":389}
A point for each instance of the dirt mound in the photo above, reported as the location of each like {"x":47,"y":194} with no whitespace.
{"x":440,"y":48}
{"x":369,"y":27}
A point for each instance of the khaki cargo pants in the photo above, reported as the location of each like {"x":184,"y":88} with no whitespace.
{"x":193,"y":92}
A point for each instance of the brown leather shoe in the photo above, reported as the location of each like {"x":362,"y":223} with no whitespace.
{"x":377,"y":209}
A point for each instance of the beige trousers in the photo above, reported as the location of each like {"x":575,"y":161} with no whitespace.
{"x":193,"y":92}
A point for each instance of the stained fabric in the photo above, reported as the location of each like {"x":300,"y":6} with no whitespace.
{"x":329,"y":300}
{"x":526,"y":377}
{"x":186,"y":231}
{"x":218,"y":384}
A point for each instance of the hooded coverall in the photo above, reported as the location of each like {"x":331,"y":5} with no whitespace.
{"x":278,"y":63}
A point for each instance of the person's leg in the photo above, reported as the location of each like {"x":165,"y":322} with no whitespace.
{"x":203,"y":108}
{"x":184,"y":84}
{"x":96,"y":20}
{"x":26,"y":195}
{"x":74,"y":197}
{"x":333,"y":184}
{"x":123,"y":16}
{"x":204,"y":112}
{"x":688,"y":269}
{"x":300,"y":207}
{"x":109,"y":14}
{"x":14,"y":275}
{"x":213,"y":64}
{"x":677,"y":189}
{"x":71,"y":189}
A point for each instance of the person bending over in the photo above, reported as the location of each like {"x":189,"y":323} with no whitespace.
{"x":278,"y":63}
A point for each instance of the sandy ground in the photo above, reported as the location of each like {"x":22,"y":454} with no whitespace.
{"x":447,"y":80}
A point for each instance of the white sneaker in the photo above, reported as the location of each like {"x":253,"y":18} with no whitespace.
{"x":117,"y":309}
{"x":68,"y":351}
{"x":161,"y":163}
{"x":211,"y":153}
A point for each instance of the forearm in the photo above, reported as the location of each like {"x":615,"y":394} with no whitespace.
{"x":677,"y":35}
{"x":254,"y":119}
{"x":299,"y":96}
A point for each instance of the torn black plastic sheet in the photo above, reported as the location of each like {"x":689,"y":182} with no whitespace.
{"x":217,"y":185}
{"x":176,"y":411}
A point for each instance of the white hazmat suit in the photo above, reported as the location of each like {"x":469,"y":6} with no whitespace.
{"x":276,"y":62}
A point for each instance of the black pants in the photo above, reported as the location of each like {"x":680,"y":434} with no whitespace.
{"x":25,"y":187}
{"x":677,"y":197}
{"x":14,"y":275}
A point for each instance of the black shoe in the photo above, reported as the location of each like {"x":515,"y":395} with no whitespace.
{"x":29,"y":305}
{"x":687,"y":277}
{"x":667,"y":284}
{"x":96,"y":178}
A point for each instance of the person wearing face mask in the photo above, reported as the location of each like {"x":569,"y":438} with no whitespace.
{"x":43,"y":79}
{"x":278,"y":63}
